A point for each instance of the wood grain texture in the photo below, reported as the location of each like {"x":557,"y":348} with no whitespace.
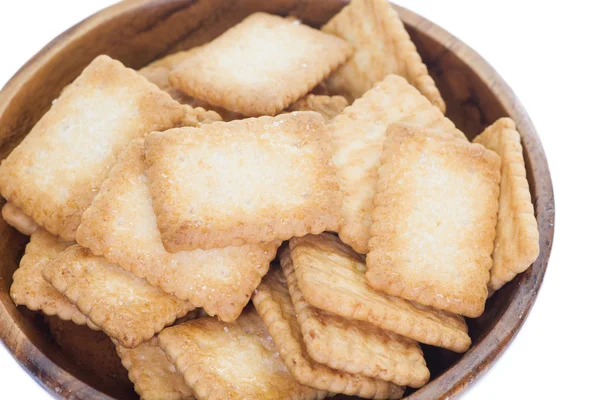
{"x":139,"y":31}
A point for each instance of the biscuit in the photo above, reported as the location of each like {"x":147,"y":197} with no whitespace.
{"x":274,"y":304}
{"x":434,"y":220}
{"x":152,"y":374}
{"x":55,"y":172}
{"x":516,"y":245}
{"x":256,"y":180}
{"x":381,"y":47}
{"x":331,"y":277}
{"x":31,"y":290}
{"x":124,"y":306}
{"x":261,"y":65}
{"x":358,"y":135}
{"x":121,"y":226}
{"x":327,"y":106}
{"x":16,"y":218}
{"x":235,"y":360}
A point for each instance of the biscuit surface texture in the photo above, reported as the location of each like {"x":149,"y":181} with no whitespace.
{"x":16,"y":218}
{"x":121,"y":226}
{"x":261,"y":65}
{"x":434,"y":220}
{"x":257,"y":180}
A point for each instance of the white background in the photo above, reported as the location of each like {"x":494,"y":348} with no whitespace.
{"x":547,"y":52}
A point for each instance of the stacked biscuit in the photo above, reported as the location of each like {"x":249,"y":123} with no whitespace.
{"x":144,"y":205}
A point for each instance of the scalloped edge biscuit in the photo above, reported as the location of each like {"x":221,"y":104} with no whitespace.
{"x":516,"y":245}
{"x":331,"y":277}
{"x":434,"y":220}
{"x":31,"y":290}
{"x":298,"y":188}
{"x":274,"y":304}
{"x":124,"y":306}
{"x":121,"y":226}
{"x":382,"y":47}
{"x":261,"y":65}
{"x":358,"y":135}
{"x":235,"y":361}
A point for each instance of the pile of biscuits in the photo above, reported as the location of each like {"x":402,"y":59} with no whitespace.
{"x":310,"y":171}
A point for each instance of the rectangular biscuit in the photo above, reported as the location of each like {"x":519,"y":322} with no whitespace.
{"x":382,"y":47}
{"x":235,"y":360}
{"x":16,"y":218}
{"x":55,"y":172}
{"x":358,"y":135}
{"x":121,"y":226}
{"x":152,"y":374}
{"x":327,"y":106}
{"x":434,"y":220}
{"x":29,"y":287}
{"x":274,"y":304}
{"x":256,"y":180}
{"x":331,"y":277}
{"x":516,"y":245}
{"x":125,"y":307}
{"x":261,"y":65}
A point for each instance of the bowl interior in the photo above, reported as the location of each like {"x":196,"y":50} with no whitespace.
{"x":137,"y":32}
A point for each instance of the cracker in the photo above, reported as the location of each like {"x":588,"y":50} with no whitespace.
{"x":152,"y":374}
{"x":16,"y":218}
{"x":261,"y":65}
{"x":274,"y":304}
{"x":327,"y":106}
{"x":358,"y":135}
{"x":249,"y":181}
{"x":331,"y":277}
{"x":235,"y":360}
{"x":516,"y":245}
{"x":55,"y":172}
{"x":31,"y":290}
{"x":121,"y":226}
{"x":382,"y":47}
{"x":434,"y":220}
{"x":124,"y":306}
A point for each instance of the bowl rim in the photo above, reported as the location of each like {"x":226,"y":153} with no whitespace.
{"x":473,"y":364}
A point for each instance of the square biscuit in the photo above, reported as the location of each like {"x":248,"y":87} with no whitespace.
{"x":381,"y":47}
{"x":124,"y":306}
{"x":257,"y":180}
{"x":261,"y":65}
{"x":31,"y":290}
{"x":434,"y":220}
{"x":328,"y":106}
{"x":355,"y":346}
{"x":235,"y":361}
{"x":331,"y":277}
{"x":516,"y":245}
{"x":358,"y":135}
{"x":121,"y":226}
{"x":152,"y":374}
{"x":55,"y":172}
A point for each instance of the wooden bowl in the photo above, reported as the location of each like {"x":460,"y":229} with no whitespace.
{"x":139,"y":31}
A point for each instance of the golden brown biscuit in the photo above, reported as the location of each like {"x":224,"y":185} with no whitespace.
{"x":16,"y":218}
{"x":274,"y":304}
{"x":152,"y":374}
{"x":434,"y":220}
{"x":327,"y":106}
{"x":256,"y":180}
{"x":121,"y":226}
{"x":331,"y":277}
{"x":235,"y":360}
{"x":260,"y":66}
{"x":29,"y":287}
{"x":382,"y":47}
{"x":124,"y":306}
{"x":55,"y":172}
{"x":517,"y":238}
{"x":358,"y":135}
